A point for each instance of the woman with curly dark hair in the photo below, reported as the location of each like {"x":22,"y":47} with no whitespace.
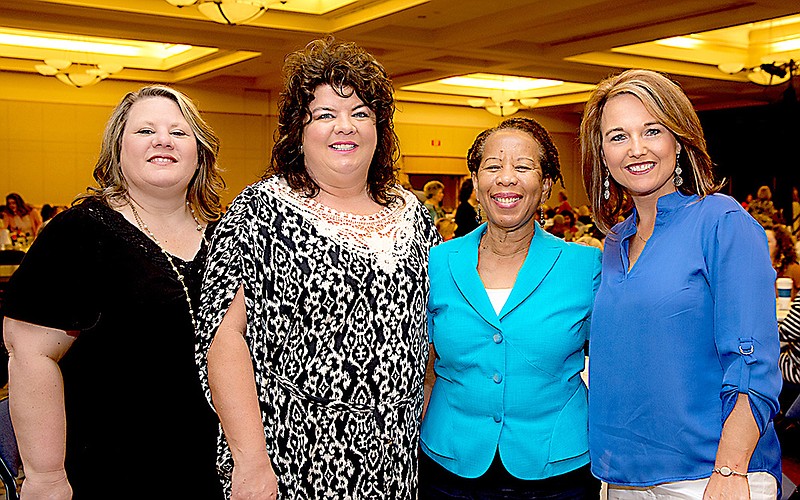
{"x":784,"y":255}
{"x":313,"y":338}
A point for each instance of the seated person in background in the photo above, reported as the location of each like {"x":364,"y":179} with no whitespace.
{"x":419,"y":194}
{"x":563,"y":202}
{"x":586,"y":236}
{"x":789,"y":429}
{"x":434,"y":193}
{"x":49,"y":211}
{"x":467,"y":217}
{"x":784,"y":257}
{"x":21,"y":217}
{"x":447,"y":228}
{"x":763,"y":205}
{"x":584,"y":214}
{"x":569,"y":224}
{"x":559,"y":226}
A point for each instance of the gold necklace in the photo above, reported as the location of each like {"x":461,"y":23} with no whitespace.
{"x":640,"y":237}
{"x":143,"y":227}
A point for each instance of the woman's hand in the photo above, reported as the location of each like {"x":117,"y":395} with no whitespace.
{"x":254,"y":481}
{"x":46,"y":486}
{"x":730,"y":487}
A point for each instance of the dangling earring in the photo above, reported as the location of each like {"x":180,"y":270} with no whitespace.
{"x":542,"y":220}
{"x":677,"y":179}
{"x":606,"y":184}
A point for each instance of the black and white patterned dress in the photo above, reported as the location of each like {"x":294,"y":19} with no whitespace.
{"x":337,"y":330}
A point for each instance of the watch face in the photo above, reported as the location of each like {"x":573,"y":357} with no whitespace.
{"x":725,"y":470}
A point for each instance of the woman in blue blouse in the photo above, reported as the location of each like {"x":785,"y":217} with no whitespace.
{"x":508,"y":315}
{"x":684,"y":374}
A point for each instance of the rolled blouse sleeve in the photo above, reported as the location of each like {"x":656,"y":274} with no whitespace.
{"x":745,"y":327}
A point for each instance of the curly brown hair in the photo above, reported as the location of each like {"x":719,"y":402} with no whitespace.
{"x":348,"y":69}
{"x":786,"y":253}
{"x":548,"y":159}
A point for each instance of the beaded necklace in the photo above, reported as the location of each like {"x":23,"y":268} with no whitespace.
{"x":143,"y":227}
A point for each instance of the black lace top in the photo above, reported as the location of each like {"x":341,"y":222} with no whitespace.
{"x":136,"y":413}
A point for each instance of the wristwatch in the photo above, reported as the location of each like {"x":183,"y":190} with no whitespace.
{"x":728,"y":472}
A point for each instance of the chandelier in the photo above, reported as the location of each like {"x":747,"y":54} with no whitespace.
{"x":501,"y":106}
{"x":772,"y":73}
{"x":77,"y":74}
{"x":227,"y":11}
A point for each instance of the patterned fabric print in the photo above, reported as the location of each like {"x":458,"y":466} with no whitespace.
{"x":337,"y":330}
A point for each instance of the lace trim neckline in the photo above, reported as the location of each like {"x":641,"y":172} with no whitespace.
{"x":385,"y":236}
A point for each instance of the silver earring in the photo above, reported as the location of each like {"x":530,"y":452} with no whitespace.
{"x":606,"y":184}
{"x":542,"y":220}
{"x":677,"y":179}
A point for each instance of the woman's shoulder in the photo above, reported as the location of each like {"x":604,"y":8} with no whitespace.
{"x":469,"y":240}
{"x":720,"y":202}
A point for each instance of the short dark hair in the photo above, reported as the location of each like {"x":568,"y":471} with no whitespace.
{"x":348,"y":69}
{"x":548,"y":159}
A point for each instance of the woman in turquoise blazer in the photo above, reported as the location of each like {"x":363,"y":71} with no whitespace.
{"x":509,"y":313}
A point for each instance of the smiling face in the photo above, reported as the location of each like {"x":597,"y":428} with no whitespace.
{"x":508,"y":182}
{"x":640,"y":152}
{"x":340,"y":140}
{"x":159,"y":148}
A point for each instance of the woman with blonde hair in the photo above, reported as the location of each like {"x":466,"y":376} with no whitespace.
{"x":434,"y":193}
{"x":684,"y":374}
{"x":103,"y":381}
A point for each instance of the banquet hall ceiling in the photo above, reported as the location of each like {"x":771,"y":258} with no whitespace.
{"x":420,"y":41}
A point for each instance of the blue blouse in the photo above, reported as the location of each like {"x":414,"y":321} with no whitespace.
{"x":677,"y":338}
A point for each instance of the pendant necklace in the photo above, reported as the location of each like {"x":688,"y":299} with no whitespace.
{"x":143,"y":227}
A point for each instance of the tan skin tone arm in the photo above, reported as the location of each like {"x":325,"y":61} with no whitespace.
{"x":233,"y":391}
{"x":37,"y":405}
{"x":739,"y":438}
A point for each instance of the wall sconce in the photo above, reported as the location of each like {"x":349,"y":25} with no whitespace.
{"x":764,"y":74}
{"x":77,"y":75}
{"x":227,"y":11}
{"x":503,"y":107}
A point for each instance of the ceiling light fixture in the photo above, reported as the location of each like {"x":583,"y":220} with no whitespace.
{"x":77,"y":75}
{"x":502,"y":107}
{"x":773,"y":73}
{"x":227,"y":11}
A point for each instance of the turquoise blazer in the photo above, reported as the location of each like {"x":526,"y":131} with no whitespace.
{"x":510,"y":381}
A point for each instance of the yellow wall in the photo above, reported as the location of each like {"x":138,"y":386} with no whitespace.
{"x":435,"y":139}
{"x":50,"y":135}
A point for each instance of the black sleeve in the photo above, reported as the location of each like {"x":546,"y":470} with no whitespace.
{"x":56,"y":283}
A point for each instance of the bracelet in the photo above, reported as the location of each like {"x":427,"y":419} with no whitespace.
{"x":726,"y":471}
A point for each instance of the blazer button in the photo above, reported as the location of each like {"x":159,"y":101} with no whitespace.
{"x":498,"y":338}
{"x":497,"y":378}
{"x":498,"y":418}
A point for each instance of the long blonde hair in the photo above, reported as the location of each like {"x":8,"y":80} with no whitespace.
{"x":204,"y":188}
{"x":663,"y":99}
